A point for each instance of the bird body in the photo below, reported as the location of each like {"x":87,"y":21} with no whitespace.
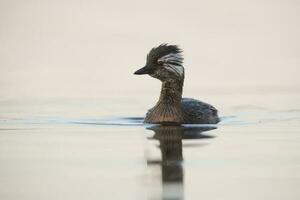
{"x":165,"y":63}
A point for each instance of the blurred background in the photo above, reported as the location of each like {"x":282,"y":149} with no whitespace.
{"x":70,"y":104}
{"x":62,"y":49}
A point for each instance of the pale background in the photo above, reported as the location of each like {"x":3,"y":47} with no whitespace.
{"x":52,"y":49}
{"x":67,"y":92}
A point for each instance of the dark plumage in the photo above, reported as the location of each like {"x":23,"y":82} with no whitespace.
{"x":165,"y":63}
{"x":199,"y":112}
{"x":160,"y":51}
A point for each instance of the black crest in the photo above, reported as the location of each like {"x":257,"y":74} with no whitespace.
{"x":162,"y":50}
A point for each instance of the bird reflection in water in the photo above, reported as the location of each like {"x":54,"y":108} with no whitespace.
{"x":171,"y":162}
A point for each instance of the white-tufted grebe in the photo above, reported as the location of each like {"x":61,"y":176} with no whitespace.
{"x":165,"y":63}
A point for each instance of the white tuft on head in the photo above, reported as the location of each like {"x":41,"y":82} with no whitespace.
{"x":173,"y":63}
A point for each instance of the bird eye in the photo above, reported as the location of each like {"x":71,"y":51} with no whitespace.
{"x":160,"y":62}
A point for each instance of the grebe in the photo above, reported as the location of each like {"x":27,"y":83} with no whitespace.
{"x":165,"y":63}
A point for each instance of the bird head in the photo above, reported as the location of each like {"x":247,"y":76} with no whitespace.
{"x":164,"y":63}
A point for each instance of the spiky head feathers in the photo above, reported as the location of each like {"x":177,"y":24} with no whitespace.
{"x":164,"y":50}
{"x":167,"y":60}
{"x":164,"y":63}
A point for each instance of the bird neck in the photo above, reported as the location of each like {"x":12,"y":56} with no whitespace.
{"x":168,"y":109}
{"x":171,"y":91}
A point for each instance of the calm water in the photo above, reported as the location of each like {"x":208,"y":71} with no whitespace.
{"x":93,"y":150}
{"x":70,"y":108}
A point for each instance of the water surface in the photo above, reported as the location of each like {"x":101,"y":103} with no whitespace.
{"x":71,"y":150}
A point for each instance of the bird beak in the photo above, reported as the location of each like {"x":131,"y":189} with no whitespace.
{"x":144,"y":70}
